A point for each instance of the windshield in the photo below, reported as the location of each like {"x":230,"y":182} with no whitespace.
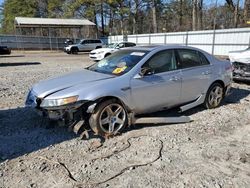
{"x":119,"y":62}
{"x":80,"y":42}
{"x":111,"y":45}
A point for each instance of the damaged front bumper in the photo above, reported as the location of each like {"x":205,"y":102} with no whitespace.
{"x":241,"y":71}
{"x":68,"y":112}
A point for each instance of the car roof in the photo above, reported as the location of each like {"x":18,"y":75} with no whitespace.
{"x":162,"y":47}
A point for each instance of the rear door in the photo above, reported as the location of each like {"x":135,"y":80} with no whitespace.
{"x":160,"y":89}
{"x":196,"y":74}
{"x":83,"y":45}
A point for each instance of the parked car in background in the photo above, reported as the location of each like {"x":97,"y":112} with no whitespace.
{"x":241,"y":64}
{"x":132,"y":81}
{"x":4,"y":50}
{"x":83,"y":45}
{"x":68,"y":42}
{"x":99,"y":54}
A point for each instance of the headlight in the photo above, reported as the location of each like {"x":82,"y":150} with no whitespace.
{"x":58,"y":102}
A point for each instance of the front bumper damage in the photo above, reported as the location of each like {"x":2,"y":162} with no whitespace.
{"x":66,"y":113}
{"x":241,"y":71}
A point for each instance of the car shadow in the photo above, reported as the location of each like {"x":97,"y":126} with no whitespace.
{"x":247,"y":82}
{"x":9,"y":56}
{"x":19,"y":64}
{"x":237,"y":94}
{"x":23,"y":131}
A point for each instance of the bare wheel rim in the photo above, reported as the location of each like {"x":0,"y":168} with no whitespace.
{"x":112,"y":118}
{"x":215,"y":96}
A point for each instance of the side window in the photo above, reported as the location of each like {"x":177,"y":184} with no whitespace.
{"x":83,"y":42}
{"x":121,"y":45}
{"x":162,"y":62}
{"x":189,"y":58}
{"x":129,"y":44}
{"x":204,"y":60}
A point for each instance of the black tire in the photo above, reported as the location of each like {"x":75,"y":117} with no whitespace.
{"x":214,"y":96}
{"x":98,"y":47}
{"x":74,"y":50}
{"x":110,"y":125}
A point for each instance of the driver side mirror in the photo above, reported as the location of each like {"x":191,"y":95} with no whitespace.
{"x":145,"y":71}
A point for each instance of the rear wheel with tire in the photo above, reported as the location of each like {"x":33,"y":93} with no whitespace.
{"x":109,"y":118}
{"x":214,"y":96}
{"x":74,"y":50}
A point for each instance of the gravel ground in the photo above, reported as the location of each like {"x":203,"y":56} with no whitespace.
{"x":212,"y":151}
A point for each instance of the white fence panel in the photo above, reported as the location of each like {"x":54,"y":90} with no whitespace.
{"x":219,"y":42}
{"x":143,"y":39}
{"x":176,"y":38}
{"x":157,"y":39}
{"x":132,"y":38}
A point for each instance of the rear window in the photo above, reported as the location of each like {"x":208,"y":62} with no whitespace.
{"x":191,"y":58}
{"x":129,"y":44}
{"x":97,"y":41}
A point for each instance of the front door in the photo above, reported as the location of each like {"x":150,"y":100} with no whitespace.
{"x":159,"y":89}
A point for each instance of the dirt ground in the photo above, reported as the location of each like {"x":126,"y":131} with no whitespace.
{"x":211,"y":151}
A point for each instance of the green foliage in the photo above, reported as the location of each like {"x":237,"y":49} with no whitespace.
{"x":55,"y":8}
{"x":15,"y":8}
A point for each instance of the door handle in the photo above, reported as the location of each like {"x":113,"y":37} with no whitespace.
{"x":175,"y":79}
{"x":206,"y":73}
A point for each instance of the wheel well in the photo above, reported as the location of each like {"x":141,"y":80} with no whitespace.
{"x":107,"y":54}
{"x":75,"y":48}
{"x":112,"y":97}
{"x":219,"y":82}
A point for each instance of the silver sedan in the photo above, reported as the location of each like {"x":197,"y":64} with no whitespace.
{"x":110,"y":93}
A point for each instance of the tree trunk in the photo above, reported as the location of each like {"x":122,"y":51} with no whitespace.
{"x":95,"y":20}
{"x":236,"y":14}
{"x":199,"y":15}
{"x":134,"y":26}
{"x":194,"y":15}
{"x":247,"y":11}
{"x":154,"y":17}
{"x":181,"y":14}
{"x":102,"y":19}
{"x":111,"y":21}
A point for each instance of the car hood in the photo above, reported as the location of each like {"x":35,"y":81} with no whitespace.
{"x":237,"y":51}
{"x":102,"y":50}
{"x":48,"y":87}
{"x":243,"y":60}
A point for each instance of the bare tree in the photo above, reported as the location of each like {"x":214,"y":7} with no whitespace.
{"x":247,"y":11}
{"x":235,"y":9}
{"x":154,"y":16}
{"x":199,"y":14}
{"x":194,"y":15}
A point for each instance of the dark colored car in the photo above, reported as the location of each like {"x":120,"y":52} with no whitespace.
{"x":4,"y":50}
